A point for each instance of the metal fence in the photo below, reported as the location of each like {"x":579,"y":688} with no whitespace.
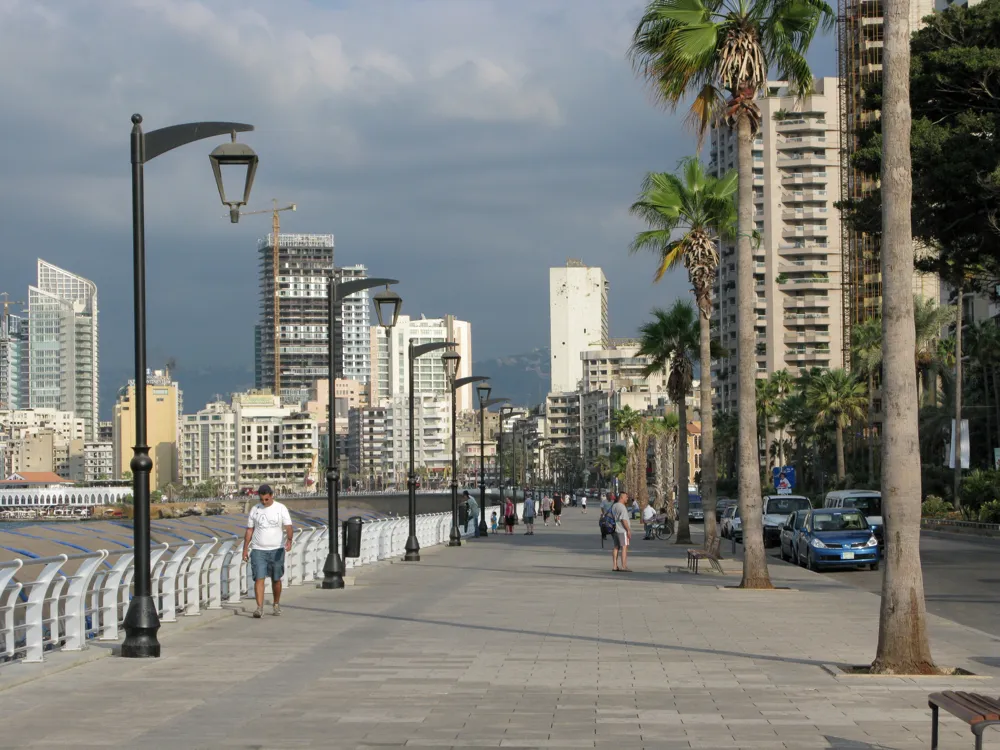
{"x":61,"y":602}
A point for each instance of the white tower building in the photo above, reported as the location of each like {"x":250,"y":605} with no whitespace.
{"x":578,"y":320}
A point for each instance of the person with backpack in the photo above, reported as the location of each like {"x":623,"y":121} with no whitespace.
{"x":622,"y":534}
{"x":508,"y":515}
{"x":557,"y":506}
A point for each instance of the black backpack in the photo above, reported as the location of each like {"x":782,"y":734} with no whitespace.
{"x":607,"y":522}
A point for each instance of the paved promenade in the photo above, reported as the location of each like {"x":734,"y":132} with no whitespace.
{"x":513,"y":642}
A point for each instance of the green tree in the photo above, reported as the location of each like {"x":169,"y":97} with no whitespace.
{"x":866,"y":351}
{"x":626,"y":422}
{"x":928,"y":320}
{"x":687,"y":215}
{"x":837,"y":398}
{"x":671,"y":340}
{"x":718,"y":55}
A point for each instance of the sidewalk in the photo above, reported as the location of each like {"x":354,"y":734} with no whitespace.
{"x":518,"y":641}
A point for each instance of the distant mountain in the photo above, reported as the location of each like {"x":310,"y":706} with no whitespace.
{"x":523,"y":378}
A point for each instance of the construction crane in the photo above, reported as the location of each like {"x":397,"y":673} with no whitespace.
{"x":3,"y":319}
{"x":275,"y":233}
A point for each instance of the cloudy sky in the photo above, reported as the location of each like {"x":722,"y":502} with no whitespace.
{"x":462,"y":146}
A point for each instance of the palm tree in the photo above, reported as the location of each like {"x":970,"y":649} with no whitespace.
{"x":866,"y":348}
{"x":701,"y":208}
{"x":928,"y":320}
{"x":782,"y":382}
{"x":727,"y":436}
{"x":766,"y":401}
{"x":625,"y":422}
{"x":903,"y":644}
{"x":837,"y":397}
{"x":720,"y":52}
{"x":670,"y":341}
{"x":601,"y":465}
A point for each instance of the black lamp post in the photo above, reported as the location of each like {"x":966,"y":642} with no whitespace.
{"x":451,"y":359}
{"x":142,"y":620}
{"x":387,"y":305}
{"x":485,"y":402}
{"x":412,"y":543}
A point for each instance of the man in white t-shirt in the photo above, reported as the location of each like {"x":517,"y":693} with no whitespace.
{"x":269,"y":535}
{"x":648,"y":514}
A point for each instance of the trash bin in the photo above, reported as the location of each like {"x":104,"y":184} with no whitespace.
{"x":352,"y":536}
{"x":463,"y":515}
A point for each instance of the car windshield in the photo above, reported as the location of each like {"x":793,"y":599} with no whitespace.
{"x":785,"y":505}
{"x":851,"y":521}
{"x":870,"y":506}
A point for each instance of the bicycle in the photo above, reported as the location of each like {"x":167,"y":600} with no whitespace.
{"x":663,"y":529}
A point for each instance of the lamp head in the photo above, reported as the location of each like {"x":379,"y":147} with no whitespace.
{"x":484,"y":390}
{"x":240,"y":162}
{"x":387,"y":307}
{"x":451,"y":360}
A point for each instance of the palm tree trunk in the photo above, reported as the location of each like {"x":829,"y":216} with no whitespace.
{"x":658,"y":469}
{"x":841,"y":464}
{"x":871,"y":427}
{"x":755,"y":573}
{"x":642,"y":488}
{"x":903,"y":644}
{"x":709,"y":472}
{"x":955,"y":498}
{"x":672,"y":459}
{"x":683,"y":474}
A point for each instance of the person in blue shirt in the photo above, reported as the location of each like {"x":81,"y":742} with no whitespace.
{"x":528,"y":514}
{"x":493,"y":522}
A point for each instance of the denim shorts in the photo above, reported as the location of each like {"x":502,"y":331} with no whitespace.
{"x":267,"y":563}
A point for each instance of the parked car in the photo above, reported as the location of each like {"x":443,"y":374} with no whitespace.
{"x":720,"y":507}
{"x":726,"y":524}
{"x":789,"y":535}
{"x":869,"y":502}
{"x":696,"y":511}
{"x":776,"y":509}
{"x":837,"y":537}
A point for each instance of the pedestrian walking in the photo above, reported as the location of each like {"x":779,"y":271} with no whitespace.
{"x":508,"y":515}
{"x":546,"y":509}
{"x":493,"y":522}
{"x":268,"y":537}
{"x":557,"y":506}
{"x":622,"y":534}
{"x":528,"y":514}
{"x":583,"y":503}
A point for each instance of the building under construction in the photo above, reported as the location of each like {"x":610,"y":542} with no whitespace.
{"x":290,"y":340}
{"x":860,"y":35}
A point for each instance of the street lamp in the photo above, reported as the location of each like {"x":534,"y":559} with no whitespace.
{"x":510,"y":410}
{"x":141,"y":620}
{"x":485,"y":402}
{"x":412,"y":544}
{"x":337,"y":292}
{"x":451,"y":359}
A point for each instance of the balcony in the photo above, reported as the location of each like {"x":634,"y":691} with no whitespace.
{"x":804,"y":196}
{"x":801,"y":214}
{"x":805,"y":141}
{"x":786,"y":160}
{"x":807,"y":338}
{"x":799,"y":266}
{"x":811,"y":177}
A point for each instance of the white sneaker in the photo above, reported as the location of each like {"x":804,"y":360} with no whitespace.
{"x":258,"y":613}
{"x":276,"y":610}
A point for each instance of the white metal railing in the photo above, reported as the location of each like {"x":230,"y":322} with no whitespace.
{"x":60,"y":602}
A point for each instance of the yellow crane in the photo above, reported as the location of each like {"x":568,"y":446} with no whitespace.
{"x":6,"y":303}
{"x":275,"y":233}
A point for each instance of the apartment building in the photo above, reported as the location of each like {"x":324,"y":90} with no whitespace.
{"x":368,"y":459}
{"x":13,"y":358}
{"x":208,"y":445}
{"x":276,"y":444}
{"x":578,"y":320}
{"x":98,"y":462}
{"x":63,"y":344}
{"x":164,"y":406}
{"x":798,"y":261}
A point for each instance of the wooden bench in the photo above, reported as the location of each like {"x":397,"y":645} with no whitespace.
{"x":978,"y":711}
{"x":710,"y":553}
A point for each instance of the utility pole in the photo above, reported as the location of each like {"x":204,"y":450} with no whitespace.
{"x":275,"y":234}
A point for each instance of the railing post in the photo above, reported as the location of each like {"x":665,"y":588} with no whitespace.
{"x":76,"y":602}
{"x":168,"y":589}
{"x":192,"y":579}
{"x":8,"y":599}
{"x":216,"y":576}
{"x":34,"y":612}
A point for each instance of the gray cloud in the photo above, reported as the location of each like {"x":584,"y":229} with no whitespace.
{"x":461,"y":146}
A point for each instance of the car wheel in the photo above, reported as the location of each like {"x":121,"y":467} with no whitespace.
{"x":811,"y":563}
{"x":874,"y":566}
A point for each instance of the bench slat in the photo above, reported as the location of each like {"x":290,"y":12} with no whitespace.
{"x":972,"y":708}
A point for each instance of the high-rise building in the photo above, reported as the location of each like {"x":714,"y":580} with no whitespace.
{"x":208,"y":446}
{"x":275,"y":443}
{"x":578,"y":320}
{"x":797,"y":262}
{"x":355,"y":329}
{"x":429,"y":373}
{"x":860,"y":35}
{"x":13,"y":345}
{"x":63,"y":344}
{"x":298,"y":325}
{"x":164,"y":406}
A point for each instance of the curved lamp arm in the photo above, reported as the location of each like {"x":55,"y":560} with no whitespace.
{"x":159,"y":141}
{"x":467,"y":381}
{"x":419,"y":350}
{"x":344,"y":289}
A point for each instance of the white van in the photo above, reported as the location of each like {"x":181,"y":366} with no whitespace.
{"x":868,"y":502}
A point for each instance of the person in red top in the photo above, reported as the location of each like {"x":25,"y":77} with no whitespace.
{"x":508,"y":515}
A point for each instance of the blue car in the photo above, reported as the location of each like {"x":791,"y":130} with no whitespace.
{"x":836,"y":538}
{"x":789,"y":537}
